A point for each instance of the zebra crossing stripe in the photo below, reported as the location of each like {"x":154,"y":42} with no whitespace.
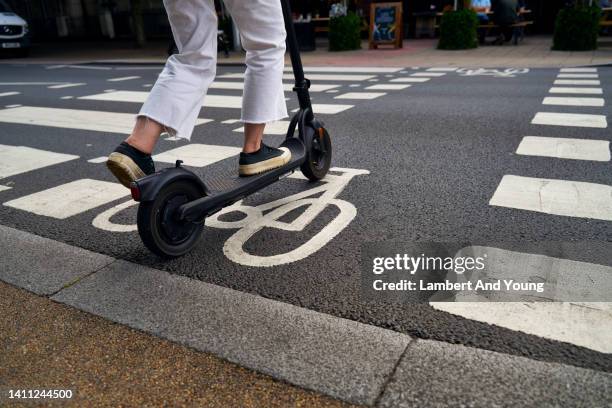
{"x":4,"y":188}
{"x":578,"y":69}
{"x":556,"y":197}
{"x":567,"y":90}
{"x":578,"y":76}
{"x":360,"y":95}
{"x":273,"y":128}
{"x":328,"y":109}
{"x":63,"y":86}
{"x":9,"y":94}
{"x":70,"y":199}
{"x":16,"y":160}
{"x":570,"y":119}
{"x":316,"y":77}
{"x":442,"y":69}
{"x":411,"y":80}
{"x":565,"y":148}
{"x":287,"y":87}
{"x":365,"y":70}
{"x":568,"y":101}
{"x":121,"y":79}
{"x":428,"y":74}
{"x":387,"y":87}
{"x":197,"y":155}
{"x":73,"y":119}
{"x":577,"y":82}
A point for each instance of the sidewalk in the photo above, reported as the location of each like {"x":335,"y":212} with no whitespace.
{"x":47,"y":345}
{"x":534,"y":52}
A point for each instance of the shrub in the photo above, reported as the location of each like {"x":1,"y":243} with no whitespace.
{"x":577,"y":28}
{"x":345,"y":32}
{"x":459,"y":30}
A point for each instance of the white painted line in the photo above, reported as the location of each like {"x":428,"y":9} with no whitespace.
{"x":231,"y":121}
{"x":317,"y":77}
{"x":67,"y":97}
{"x":2,"y":94}
{"x":121,"y":79}
{"x":578,"y":69}
{"x":564,"y":148}
{"x":172,"y":138}
{"x":428,"y":74}
{"x":586,"y":324}
{"x":579,"y":76}
{"x":62,"y":86}
{"x":4,"y":188}
{"x":361,"y":95}
{"x":91,"y":67}
{"x":411,"y":80}
{"x":313,"y":87}
{"x":333,"y":91}
{"x":387,"y":87}
{"x":98,"y":160}
{"x":21,"y":159}
{"x":55,"y":66}
{"x":328,"y":109}
{"x":586,"y":91}
{"x":570,"y":119}
{"x":577,"y":82}
{"x":70,"y":199}
{"x":198,"y":155}
{"x":442,"y":69}
{"x":274,"y":128}
{"x":110,"y":90}
{"x":354,"y":85}
{"x":568,"y":101}
{"x":210,"y":101}
{"x":365,"y":70}
{"x":73,"y":119}
{"x":29,"y":83}
{"x":388,"y":76}
{"x":557,"y":197}
{"x":13,"y":106}
{"x":372,"y":80}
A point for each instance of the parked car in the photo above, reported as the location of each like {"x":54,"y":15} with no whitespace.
{"x":13,"y":31}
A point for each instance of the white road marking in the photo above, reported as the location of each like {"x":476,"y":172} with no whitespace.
{"x":2,"y":94}
{"x":333,"y":91}
{"x":121,"y":79}
{"x":568,"y":101}
{"x":365,"y":70}
{"x":316,"y":77}
{"x":70,"y":199}
{"x":103,"y":221}
{"x":387,"y":87}
{"x":313,"y":87}
{"x":55,"y":66}
{"x":354,"y":85}
{"x":4,"y":188}
{"x":197,"y":155}
{"x":372,"y":80}
{"x":570,"y":119}
{"x":210,"y":101}
{"x":442,"y":69}
{"x":428,"y":74}
{"x":411,"y":80}
{"x":578,"y":76}
{"x":231,"y":121}
{"x":62,"y":86}
{"x":360,"y":95}
{"x":564,"y":148}
{"x":91,"y":67}
{"x":557,"y":197}
{"x":22,"y":159}
{"x":98,"y":160}
{"x":29,"y":83}
{"x":566,"y":90}
{"x":274,"y":128}
{"x":286,"y":87}
{"x":577,"y":82}
{"x":67,"y":97}
{"x":13,"y":106}
{"x":73,"y":119}
{"x":328,"y":109}
{"x":578,"y":69}
{"x":586,"y":324}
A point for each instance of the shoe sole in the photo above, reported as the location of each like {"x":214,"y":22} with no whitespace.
{"x":124,"y":168}
{"x":246,"y":170}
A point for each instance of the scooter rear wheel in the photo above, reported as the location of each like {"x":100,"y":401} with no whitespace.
{"x":318,"y":157}
{"x":160,"y":229}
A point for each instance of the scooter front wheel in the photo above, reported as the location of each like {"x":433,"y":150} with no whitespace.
{"x":319,"y":156}
{"x":159,"y":226}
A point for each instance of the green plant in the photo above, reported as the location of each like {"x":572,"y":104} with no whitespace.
{"x":458,"y":30}
{"x":345,"y":32}
{"x":577,"y":28}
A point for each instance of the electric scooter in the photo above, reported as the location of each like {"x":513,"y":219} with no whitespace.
{"x":174,"y":202}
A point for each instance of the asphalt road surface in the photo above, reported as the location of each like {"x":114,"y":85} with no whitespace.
{"x":419,"y":155}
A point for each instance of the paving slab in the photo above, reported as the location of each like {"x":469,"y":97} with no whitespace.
{"x":341,"y":358}
{"x":435,"y":374}
{"x":42,"y":265}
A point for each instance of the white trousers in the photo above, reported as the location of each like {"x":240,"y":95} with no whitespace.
{"x":179,"y":92}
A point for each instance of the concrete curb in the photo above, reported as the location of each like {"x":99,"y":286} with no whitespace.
{"x":344,"y":359}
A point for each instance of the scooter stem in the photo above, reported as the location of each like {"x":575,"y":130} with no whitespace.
{"x":301,"y":83}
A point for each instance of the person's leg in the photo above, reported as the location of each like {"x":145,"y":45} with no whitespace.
{"x":175,"y":101}
{"x":262,"y":31}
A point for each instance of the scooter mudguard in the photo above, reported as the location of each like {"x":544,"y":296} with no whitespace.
{"x":148,"y":187}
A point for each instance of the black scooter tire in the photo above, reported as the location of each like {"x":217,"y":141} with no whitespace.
{"x":318,"y":162}
{"x":155,"y":216}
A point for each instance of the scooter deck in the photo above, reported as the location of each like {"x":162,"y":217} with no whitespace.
{"x":224,"y":191}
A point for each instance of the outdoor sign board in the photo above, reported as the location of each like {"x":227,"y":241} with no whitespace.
{"x":386,"y":24}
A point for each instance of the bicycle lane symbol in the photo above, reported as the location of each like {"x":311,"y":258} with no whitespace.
{"x":255,"y":220}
